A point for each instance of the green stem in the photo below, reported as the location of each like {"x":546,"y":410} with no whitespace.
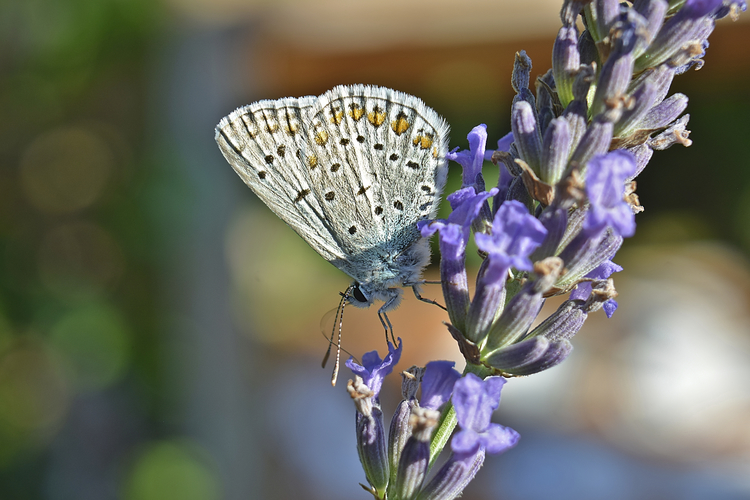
{"x":443,"y":432}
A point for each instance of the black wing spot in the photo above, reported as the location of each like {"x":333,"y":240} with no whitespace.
{"x":363,"y":189}
{"x":262,"y":174}
{"x":335,"y":167}
{"x":344,"y":142}
{"x":378,"y":210}
{"x":360,"y":139}
{"x":379,"y":147}
{"x":301,"y":195}
{"x":398,"y":205}
{"x":330,"y":195}
{"x":353,"y":230}
{"x":299,"y":154}
{"x":412,"y":164}
{"x":427,"y":189}
{"x":281,"y":150}
{"x":393,"y":157}
{"x":424,"y":206}
{"x":269,"y":159}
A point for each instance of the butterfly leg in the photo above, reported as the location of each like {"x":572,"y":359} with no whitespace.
{"x":386,"y":322}
{"x":429,"y":301}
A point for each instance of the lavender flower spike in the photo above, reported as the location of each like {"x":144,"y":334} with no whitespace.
{"x":474,"y":400}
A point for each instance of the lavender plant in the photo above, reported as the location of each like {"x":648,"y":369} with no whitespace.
{"x":563,"y":204}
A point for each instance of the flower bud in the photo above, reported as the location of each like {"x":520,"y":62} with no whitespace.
{"x":565,"y":62}
{"x":526,"y":134}
{"x":555,"y":151}
{"x":415,"y":457}
{"x":370,"y":435}
{"x":529,"y":356}
{"x":523,"y":308}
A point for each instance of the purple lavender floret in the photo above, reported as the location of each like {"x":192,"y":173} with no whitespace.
{"x":471,"y":160}
{"x":455,"y":232}
{"x":584,"y":289}
{"x":605,"y":186}
{"x":515,"y":235}
{"x":373,"y":369}
{"x":474,"y":400}
{"x":437,"y":383}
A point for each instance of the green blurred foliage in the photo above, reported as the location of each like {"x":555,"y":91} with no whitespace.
{"x":77,"y":301}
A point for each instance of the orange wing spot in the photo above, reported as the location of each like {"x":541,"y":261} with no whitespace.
{"x":337,"y":116}
{"x":435,"y":153}
{"x":356,"y":111}
{"x":312,"y":160}
{"x":292,"y":128}
{"x":321,"y":137}
{"x":400,"y":124}
{"x":272,"y":127}
{"x":423,"y":141}
{"x":376,"y":116}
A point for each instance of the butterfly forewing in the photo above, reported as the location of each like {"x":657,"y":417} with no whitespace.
{"x":266,"y":144}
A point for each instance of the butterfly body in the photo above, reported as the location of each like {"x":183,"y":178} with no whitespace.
{"x":352,"y":172}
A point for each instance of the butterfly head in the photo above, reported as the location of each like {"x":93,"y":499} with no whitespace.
{"x":365,"y":294}
{"x":358,"y":295}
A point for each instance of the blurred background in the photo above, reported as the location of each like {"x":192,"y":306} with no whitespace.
{"x":160,"y":328}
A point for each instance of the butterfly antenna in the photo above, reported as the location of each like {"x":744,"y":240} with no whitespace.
{"x":339,"y":318}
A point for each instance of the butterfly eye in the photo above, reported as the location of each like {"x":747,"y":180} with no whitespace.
{"x":358,"y":295}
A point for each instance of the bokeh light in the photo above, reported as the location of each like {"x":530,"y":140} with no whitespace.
{"x":78,"y":259}
{"x":65,"y":170}
{"x":95,"y":345}
{"x":172,"y":470}
{"x":34,"y":397}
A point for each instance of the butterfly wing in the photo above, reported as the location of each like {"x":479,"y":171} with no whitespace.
{"x":383,"y":168}
{"x":351,"y":171}
{"x":266,"y":143}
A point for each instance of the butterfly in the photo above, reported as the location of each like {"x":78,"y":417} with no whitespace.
{"x":352,"y":171}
